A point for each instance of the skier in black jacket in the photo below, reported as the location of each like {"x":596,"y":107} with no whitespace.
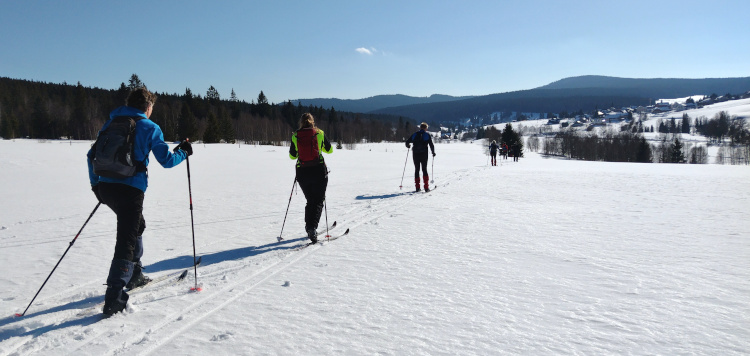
{"x":493,"y":152}
{"x":421,"y":139}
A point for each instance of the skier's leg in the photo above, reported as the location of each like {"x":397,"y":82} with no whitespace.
{"x":425,"y":176}
{"x":416,"y":172}
{"x":127,"y":204}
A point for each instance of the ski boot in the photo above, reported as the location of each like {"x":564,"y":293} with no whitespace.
{"x":138,"y":279}
{"x":115,"y":299}
{"x":312,"y":235}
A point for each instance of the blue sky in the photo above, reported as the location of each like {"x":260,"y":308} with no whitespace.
{"x":355,"y":49}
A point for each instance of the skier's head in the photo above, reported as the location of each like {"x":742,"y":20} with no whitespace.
{"x":306,"y":121}
{"x":141,"y":99}
{"x":423,"y":126}
{"x":493,"y":141}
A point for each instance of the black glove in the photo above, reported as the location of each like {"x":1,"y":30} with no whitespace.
{"x":408,"y":145}
{"x":95,"y":189}
{"x":185,"y":146}
{"x":433,"y":154}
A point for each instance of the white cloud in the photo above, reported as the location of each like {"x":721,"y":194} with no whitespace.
{"x":368,"y":51}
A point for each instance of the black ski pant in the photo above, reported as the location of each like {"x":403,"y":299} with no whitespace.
{"x":127,"y":204}
{"x":313,"y":181}
{"x":494,"y":158}
{"x":420,"y":159}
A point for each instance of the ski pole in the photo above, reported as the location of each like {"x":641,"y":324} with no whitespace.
{"x":402,"y":174}
{"x":432,"y":174}
{"x":325,"y":208}
{"x":61,"y":258}
{"x":192,"y":224}
{"x":287,"y":209}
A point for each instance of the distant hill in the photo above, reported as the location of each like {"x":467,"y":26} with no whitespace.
{"x":375,"y":102}
{"x":534,"y":100}
{"x":657,"y":87}
{"x":571,"y":94}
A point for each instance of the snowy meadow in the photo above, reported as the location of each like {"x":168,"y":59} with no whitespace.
{"x":538,"y":257}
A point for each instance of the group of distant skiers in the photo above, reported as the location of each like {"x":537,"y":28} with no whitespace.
{"x":118,"y":161}
{"x":514,"y":151}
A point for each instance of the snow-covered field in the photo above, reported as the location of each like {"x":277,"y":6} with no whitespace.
{"x":542,"y":256}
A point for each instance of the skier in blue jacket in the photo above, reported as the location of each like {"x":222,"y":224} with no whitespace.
{"x":125,"y":195}
{"x":421,"y":139}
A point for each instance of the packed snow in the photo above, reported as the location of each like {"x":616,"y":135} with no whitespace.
{"x":541,"y":256}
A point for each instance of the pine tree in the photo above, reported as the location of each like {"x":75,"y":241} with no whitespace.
{"x":187,"y":124}
{"x":79,"y":117}
{"x":644,"y":154}
{"x":676,"y":155}
{"x":135,"y":82}
{"x":211,"y":135}
{"x":512,"y":138}
{"x":685,"y":124}
{"x":8,"y":126}
{"x":672,"y":126}
{"x":480,"y":133}
{"x":509,"y":136}
{"x":167,"y":127}
{"x":226,"y":130}
{"x":262,"y":98}
{"x":264,"y":108}
{"x":212,"y":94}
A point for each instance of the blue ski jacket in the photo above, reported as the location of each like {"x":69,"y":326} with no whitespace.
{"x":148,"y":138}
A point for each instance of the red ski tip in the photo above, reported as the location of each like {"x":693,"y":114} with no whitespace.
{"x":199,"y":289}
{"x":18,"y":315}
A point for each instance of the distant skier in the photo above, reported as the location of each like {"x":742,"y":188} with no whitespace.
{"x":124,"y":195}
{"x":504,"y":150}
{"x":493,"y":152}
{"x":307,"y":146}
{"x":421,"y":140}
{"x":516,"y":149}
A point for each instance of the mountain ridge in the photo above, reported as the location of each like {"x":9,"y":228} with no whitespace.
{"x":376,"y":102}
{"x":568,"y":94}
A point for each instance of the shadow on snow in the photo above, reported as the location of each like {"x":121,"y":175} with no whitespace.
{"x":170,"y":264}
{"x":384,"y":196}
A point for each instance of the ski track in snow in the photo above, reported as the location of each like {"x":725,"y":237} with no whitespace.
{"x":208,"y":301}
{"x":580,"y":274}
{"x":214,"y":299}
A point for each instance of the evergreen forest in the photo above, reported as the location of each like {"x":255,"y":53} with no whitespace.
{"x":39,"y":110}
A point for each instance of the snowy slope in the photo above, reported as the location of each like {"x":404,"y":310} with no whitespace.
{"x":541,"y":256}
{"x":739,"y":108}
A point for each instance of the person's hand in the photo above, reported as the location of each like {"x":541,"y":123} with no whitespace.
{"x":185,"y":146}
{"x":433,"y":154}
{"x":95,"y":189}
{"x":408,"y":145}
